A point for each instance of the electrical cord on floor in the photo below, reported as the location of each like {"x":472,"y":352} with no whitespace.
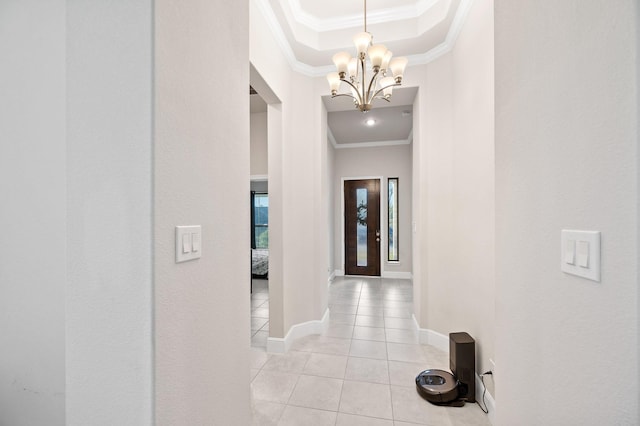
{"x":485,"y":409}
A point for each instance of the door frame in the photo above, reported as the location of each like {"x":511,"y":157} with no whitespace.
{"x":383,"y":220}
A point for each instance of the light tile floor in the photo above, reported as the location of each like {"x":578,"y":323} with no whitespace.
{"x":360,"y":372}
{"x":259,"y":313}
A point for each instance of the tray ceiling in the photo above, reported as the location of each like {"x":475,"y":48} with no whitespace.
{"x":311,"y":32}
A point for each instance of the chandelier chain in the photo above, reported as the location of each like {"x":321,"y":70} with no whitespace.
{"x":365,"y":16}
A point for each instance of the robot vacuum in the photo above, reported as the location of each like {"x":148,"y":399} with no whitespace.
{"x":437,"y":386}
{"x":453,"y":389}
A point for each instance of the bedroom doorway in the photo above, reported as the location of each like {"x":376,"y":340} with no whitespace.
{"x":266,"y":151}
{"x":259,"y":200}
{"x":362,"y":227}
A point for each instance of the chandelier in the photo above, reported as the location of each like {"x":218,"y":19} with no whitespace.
{"x":353,"y":71}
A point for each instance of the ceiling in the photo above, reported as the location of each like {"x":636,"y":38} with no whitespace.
{"x":347,"y":127}
{"x":393,"y":121}
{"x":310,"y":32}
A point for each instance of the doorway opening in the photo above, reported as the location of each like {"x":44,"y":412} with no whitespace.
{"x":259,"y":200}
{"x":266,"y":157}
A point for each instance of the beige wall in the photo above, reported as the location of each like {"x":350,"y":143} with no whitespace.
{"x":259,"y":144}
{"x":201,"y":169}
{"x":77,"y":279}
{"x":454,"y":189}
{"x":33,"y":189}
{"x":75,"y":167}
{"x":384,"y":162}
{"x":109,"y":342}
{"x":331,"y":208}
{"x":566,"y":158}
{"x":472,"y":277}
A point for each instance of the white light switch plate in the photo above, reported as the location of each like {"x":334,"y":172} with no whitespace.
{"x":583,"y":249}
{"x":188,"y":243}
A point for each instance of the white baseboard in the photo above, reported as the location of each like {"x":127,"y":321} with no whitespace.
{"x":397,"y":275}
{"x":430,"y":337}
{"x":282,"y":345}
{"x":331,"y":278}
{"x":385,"y":274}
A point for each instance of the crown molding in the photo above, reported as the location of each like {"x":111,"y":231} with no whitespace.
{"x":349,"y":21}
{"x":450,"y":41}
{"x":418,"y":59}
{"x":336,"y":145}
{"x":272,"y":22}
{"x":372,"y":144}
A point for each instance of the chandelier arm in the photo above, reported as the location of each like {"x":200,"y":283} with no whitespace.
{"x":385,"y":87}
{"x":363,"y":95}
{"x":383,"y":98}
{"x":359,"y":99}
{"x":374,"y":79}
{"x":344,"y":94}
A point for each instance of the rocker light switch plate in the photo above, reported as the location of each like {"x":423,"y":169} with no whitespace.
{"x":585,"y":246}
{"x":188,"y":243}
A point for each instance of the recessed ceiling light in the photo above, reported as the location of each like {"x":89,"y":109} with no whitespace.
{"x":370,"y":121}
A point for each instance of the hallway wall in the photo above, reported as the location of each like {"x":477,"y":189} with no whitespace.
{"x":330,"y":207}
{"x":75,"y":283}
{"x":454,"y":275}
{"x":297,"y":167}
{"x":566,"y":158}
{"x":33,"y":209}
{"x":201,"y":170}
{"x":109,"y":181}
{"x":259,"y":145}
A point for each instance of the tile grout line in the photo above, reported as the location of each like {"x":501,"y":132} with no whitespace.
{"x":384,"y":318}
{"x":340,"y":397}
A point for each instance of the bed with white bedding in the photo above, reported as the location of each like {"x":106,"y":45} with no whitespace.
{"x":259,"y":262}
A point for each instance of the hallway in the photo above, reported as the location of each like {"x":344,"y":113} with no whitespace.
{"x":360,"y":371}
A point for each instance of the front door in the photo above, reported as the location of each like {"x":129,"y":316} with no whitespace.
{"x":362,"y":227}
